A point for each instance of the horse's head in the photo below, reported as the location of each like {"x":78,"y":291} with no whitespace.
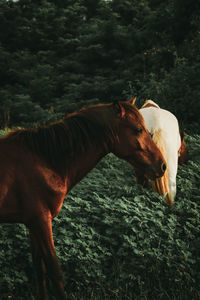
{"x":134,"y":143}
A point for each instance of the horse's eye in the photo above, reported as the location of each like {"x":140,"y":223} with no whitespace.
{"x":137,"y":131}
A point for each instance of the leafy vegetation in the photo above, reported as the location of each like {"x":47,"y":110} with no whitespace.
{"x":57,"y":56}
{"x":116,"y":240}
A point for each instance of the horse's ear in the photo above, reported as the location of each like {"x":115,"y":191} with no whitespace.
{"x":132,"y":101}
{"x":183,"y":151}
{"x":119,"y":109}
{"x":182,"y":133}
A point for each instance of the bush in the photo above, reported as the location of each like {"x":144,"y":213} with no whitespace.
{"x":116,"y":240}
{"x":176,"y":90}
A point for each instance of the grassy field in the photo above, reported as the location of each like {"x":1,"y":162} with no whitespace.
{"x":116,"y":240}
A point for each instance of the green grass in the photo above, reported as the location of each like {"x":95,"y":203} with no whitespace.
{"x":116,"y":240}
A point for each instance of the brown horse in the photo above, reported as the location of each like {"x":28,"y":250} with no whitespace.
{"x":39,"y":166}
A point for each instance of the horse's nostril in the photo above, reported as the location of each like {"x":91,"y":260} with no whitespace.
{"x":163,"y":167}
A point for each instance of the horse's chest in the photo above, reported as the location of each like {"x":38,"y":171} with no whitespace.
{"x":56,"y":189}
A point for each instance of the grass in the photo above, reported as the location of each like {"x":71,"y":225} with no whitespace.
{"x":116,"y":240}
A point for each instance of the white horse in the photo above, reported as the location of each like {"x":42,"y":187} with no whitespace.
{"x":164,"y":129}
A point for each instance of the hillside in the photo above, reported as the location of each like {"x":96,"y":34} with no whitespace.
{"x":116,"y":240}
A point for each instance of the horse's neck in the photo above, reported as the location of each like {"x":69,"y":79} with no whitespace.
{"x":99,"y":144}
{"x":84,"y":164}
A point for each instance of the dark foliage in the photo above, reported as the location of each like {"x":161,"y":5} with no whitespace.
{"x":57,"y":56}
{"x":116,"y":240}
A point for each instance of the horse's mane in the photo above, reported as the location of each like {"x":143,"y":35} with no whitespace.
{"x":60,"y":142}
{"x":149,"y":103}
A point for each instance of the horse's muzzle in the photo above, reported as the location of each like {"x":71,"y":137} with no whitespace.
{"x":153,"y":172}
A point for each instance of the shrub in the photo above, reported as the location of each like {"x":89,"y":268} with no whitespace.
{"x":116,"y":240}
{"x":176,"y":90}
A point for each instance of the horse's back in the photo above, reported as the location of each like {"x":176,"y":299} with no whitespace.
{"x":163,"y":120}
{"x":9,"y":196}
{"x":164,"y":128}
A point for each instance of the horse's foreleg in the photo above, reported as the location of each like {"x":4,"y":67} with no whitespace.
{"x":172,"y":163}
{"x":41,"y":233}
{"x":39,"y":268}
